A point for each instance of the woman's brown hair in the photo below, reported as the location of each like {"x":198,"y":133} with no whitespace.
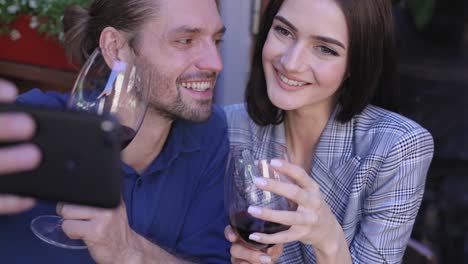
{"x":371,"y":62}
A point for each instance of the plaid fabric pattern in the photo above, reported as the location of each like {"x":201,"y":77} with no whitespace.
{"x":372,"y":173}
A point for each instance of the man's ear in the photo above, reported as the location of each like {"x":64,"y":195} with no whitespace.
{"x":113,"y":46}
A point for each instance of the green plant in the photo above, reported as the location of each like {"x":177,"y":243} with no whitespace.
{"x":46,"y":15}
{"x":421,"y":10}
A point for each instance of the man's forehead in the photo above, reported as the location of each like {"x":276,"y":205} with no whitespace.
{"x":190,"y":16}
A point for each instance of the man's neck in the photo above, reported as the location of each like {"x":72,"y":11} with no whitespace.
{"x":148,"y":142}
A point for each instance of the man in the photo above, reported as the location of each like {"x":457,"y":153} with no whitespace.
{"x":173,"y":188}
{"x":15,"y":126}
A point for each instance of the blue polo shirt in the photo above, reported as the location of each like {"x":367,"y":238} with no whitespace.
{"x":177,"y":203}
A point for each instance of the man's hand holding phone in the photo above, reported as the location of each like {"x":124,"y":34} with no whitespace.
{"x":15,"y":127}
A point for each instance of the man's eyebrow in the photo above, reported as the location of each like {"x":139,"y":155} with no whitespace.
{"x":321,"y":38}
{"x":186,"y":29}
{"x":194,"y":30}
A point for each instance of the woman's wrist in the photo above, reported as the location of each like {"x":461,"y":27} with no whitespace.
{"x":333,"y":248}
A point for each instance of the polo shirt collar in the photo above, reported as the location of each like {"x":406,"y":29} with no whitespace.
{"x":180,"y":140}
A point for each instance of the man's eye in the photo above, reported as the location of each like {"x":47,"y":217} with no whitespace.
{"x":185,"y":41}
{"x":219,"y":41}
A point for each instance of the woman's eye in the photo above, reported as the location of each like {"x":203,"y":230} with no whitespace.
{"x":282,"y":31}
{"x":327,"y":51}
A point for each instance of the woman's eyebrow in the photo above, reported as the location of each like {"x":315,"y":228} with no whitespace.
{"x":286,"y":22}
{"x":321,"y":38}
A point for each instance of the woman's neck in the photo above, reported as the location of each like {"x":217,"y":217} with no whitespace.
{"x":148,"y":142}
{"x":303,"y":129}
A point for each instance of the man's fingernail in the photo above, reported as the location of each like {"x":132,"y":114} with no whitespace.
{"x":58,"y":208}
{"x":276,"y":163}
{"x":30,"y":155}
{"x":265,"y":259}
{"x":23,"y":124}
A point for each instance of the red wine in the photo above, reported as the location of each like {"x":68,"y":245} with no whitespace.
{"x":126,"y":136}
{"x":245,"y":224}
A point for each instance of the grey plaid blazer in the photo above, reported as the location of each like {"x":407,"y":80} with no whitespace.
{"x":372,"y":173}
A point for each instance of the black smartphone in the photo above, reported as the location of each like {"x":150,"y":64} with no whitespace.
{"x":80,"y":158}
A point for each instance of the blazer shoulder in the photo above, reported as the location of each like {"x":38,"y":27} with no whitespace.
{"x":237,"y":116}
{"x":379,"y":119}
{"x":378,"y":126}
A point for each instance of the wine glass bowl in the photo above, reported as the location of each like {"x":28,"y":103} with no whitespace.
{"x":118,"y":88}
{"x":104,"y":86}
{"x":245,"y":162}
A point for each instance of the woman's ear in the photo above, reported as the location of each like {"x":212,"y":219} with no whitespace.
{"x":113,"y":46}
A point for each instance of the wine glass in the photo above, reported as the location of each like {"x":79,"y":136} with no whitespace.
{"x":245,"y":162}
{"x":104,"y":86}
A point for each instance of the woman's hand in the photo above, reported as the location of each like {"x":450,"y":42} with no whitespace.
{"x":312,"y":223}
{"x":241,"y":254}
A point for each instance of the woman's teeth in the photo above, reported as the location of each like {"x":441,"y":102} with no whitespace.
{"x":197,"y":86}
{"x":290,"y":82}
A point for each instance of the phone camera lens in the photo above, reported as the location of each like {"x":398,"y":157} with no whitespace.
{"x":107,"y":126}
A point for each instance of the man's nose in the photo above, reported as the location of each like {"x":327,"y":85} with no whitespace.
{"x":210,"y":59}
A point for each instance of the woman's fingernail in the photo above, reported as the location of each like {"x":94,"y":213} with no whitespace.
{"x":259,"y":181}
{"x":265,"y":259}
{"x":254,"y":237}
{"x":231,"y":236}
{"x":254,"y":210}
{"x":276,"y":163}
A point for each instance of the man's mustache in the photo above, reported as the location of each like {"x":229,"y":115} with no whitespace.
{"x":197,"y":76}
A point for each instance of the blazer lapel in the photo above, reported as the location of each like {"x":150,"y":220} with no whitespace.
{"x":335,"y":163}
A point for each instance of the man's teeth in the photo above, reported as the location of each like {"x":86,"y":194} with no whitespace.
{"x":290,"y":82}
{"x":197,"y":86}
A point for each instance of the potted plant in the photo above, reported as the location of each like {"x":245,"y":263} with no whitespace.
{"x":31,"y":31}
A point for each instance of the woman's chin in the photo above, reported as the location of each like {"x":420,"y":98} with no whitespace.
{"x":284,"y":103}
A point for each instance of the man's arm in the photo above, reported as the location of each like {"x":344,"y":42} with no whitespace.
{"x":109,"y":237}
{"x":143,"y":251}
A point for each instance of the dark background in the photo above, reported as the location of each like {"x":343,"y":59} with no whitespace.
{"x":433,"y":88}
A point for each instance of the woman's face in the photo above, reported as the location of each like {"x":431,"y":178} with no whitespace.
{"x":305,"y":55}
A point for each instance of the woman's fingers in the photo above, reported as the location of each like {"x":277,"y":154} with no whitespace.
{"x":240,"y":253}
{"x":230,"y":234}
{"x":294,"y":172}
{"x":288,"y":218}
{"x":288,"y":190}
{"x":275,"y":238}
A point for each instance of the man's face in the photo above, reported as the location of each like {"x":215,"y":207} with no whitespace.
{"x":180,"y":45}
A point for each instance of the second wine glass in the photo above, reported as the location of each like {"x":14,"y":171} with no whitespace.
{"x":104,"y":86}
{"x":245,"y":162}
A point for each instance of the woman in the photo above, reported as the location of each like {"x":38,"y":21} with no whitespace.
{"x":359,"y":170}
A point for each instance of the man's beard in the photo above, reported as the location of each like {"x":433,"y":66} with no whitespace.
{"x":167,"y":101}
